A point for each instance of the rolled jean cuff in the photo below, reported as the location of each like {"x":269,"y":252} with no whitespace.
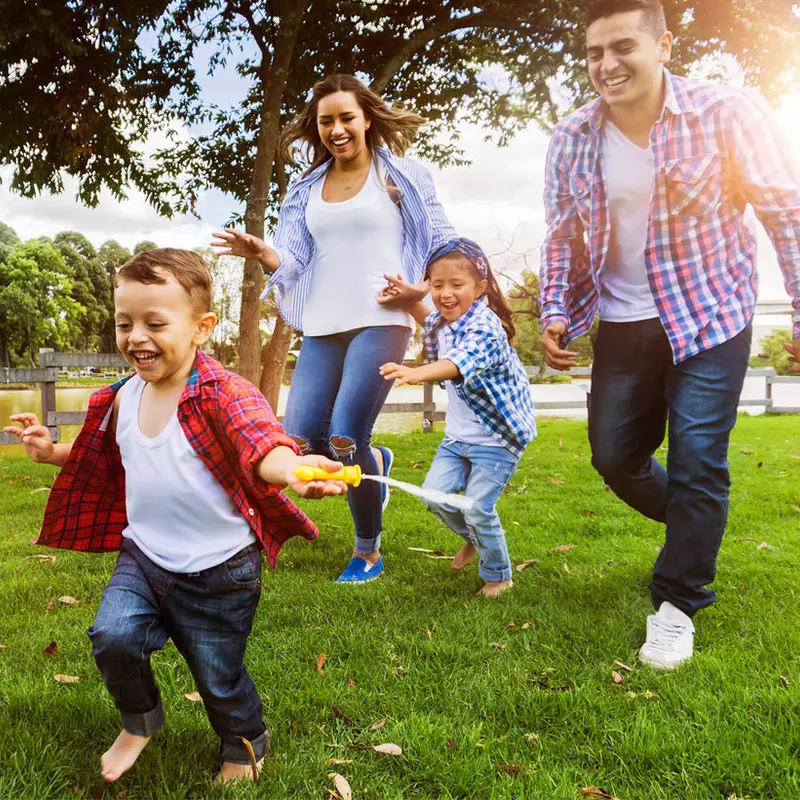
{"x":366,"y":546}
{"x":236,"y":752}
{"x":143,"y":724}
{"x":495,"y":575}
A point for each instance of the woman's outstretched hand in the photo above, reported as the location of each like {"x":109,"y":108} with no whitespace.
{"x":237,"y":243}
{"x":399,"y":293}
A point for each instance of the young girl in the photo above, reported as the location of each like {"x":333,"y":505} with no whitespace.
{"x":490,"y":414}
{"x":358,"y":211}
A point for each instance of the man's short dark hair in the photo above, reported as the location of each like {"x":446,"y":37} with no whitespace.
{"x":653,"y":19}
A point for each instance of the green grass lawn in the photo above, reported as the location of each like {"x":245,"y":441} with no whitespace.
{"x":512,"y":698}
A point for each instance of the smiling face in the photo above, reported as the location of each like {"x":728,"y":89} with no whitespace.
{"x":454,"y":287}
{"x":626,"y":61}
{"x":342,"y":126}
{"x":158,"y":330}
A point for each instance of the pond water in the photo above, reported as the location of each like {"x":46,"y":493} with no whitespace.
{"x":15,"y":401}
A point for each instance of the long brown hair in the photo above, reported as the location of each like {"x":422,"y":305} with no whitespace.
{"x":494,"y":294}
{"x":390,"y":125}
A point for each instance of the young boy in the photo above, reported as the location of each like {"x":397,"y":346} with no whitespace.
{"x":180,"y":467}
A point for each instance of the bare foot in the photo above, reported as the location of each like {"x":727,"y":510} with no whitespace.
{"x":122,"y":755}
{"x":494,"y":588}
{"x":231,"y":773}
{"x":463,"y":557}
{"x":371,"y":558}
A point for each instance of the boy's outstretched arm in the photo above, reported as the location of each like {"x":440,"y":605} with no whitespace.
{"x":399,"y":293}
{"x":278,"y":466}
{"x":36,"y":439}
{"x":442,"y":370}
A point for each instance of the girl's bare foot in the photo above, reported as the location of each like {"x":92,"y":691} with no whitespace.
{"x":463,"y":557}
{"x":230,"y":772}
{"x":494,"y":588}
{"x":122,"y":755}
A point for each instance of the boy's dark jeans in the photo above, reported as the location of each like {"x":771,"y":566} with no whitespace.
{"x":208,"y":615}
{"x":636,"y":390}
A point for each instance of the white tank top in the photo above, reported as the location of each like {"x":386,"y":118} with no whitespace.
{"x":356,"y":242}
{"x":178,"y":514}
{"x":625,"y":294}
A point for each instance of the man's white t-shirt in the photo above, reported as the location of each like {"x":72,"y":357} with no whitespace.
{"x":625,"y":294}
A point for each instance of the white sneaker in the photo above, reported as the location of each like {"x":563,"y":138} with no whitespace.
{"x":670,"y":638}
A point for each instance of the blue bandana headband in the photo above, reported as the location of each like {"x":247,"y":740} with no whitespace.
{"x":467,"y":248}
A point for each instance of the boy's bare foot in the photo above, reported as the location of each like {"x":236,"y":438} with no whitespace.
{"x":231,"y":773}
{"x":463,"y":557}
{"x":494,"y":588}
{"x":122,"y":755}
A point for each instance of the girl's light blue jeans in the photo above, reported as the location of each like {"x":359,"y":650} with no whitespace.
{"x":482,"y":472}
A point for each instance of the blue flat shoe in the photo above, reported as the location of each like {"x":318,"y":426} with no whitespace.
{"x":388,"y":460}
{"x":359,"y":571}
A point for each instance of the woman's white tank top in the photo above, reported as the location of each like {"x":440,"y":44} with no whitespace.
{"x":178,"y":514}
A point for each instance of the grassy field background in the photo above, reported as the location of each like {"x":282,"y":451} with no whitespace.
{"x":513,"y":698}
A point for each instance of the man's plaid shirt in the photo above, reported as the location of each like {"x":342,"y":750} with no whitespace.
{"x":493,"y":382}
{"x":716,"y":150}
{"x":228,"y":423}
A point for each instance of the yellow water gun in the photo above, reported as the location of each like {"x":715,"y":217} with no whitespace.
{"x":349,"y":475}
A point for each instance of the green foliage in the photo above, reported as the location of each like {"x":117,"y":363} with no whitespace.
{"x":461,"y":691}
{"x":772,"y":352}
{"x":145,"y":244}
{"x":37,"y":308}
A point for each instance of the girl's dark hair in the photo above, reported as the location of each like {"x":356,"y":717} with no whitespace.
{"x":391,"y":126}
{"x":494,"y":294}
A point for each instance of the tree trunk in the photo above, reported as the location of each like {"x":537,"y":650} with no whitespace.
{"x":274,"y":72}
{"x":274,"y":356}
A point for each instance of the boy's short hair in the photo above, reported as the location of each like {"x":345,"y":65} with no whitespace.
{"x":186,"y":266}
{"x":653,"y":19}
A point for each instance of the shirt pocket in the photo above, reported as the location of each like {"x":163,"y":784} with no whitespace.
{"x":694,"y":185}
{"x":580,"y":188}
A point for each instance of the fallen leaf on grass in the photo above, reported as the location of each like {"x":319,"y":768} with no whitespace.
{"x":514,"y":522}
{"x":428,"y":633}
{"x":68,"y":678}
{"x":587,"y":512}
{"x":438,"y":556}
{"x":388,"y":749}
{"x":555,"y":481}
{"x":511,"y":625}
{"x":3,"y":646}
{"x":565,"y":567}
{"x":335,"y":762}
{"x":377,"y":725}
{"x":624,"y":666}
{"x":342,"y":786}
{"x":593,"y":793}
{"x":796,"y":509}
{"x":764,"y":546}
{"x":531,"y":738}
{"x":618,"y":679}
{"x":451,"y":745}
{"x":498,"y":646}
{"x":785,"y":680}
{"x":525,"y":564}
{"x":561,"y":548}
{"x":423,"y":550}
{"x":49,"y":606}
{"x":648,"y":695}
{"x":339,"y":714}
{"x":70,"y":601}
{"x":44,"y":559}
{"x":560,"y":442}
{"x":526,"y":625}
{"x":511,"y":769}
{"x":351,"y":683}
{"x":40,"y":489}
{"x":321,"y":663}
{"x":193,"y":696}
{"x":51,"y":649}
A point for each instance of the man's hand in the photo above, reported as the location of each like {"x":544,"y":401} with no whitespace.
{"x":315,"y":489}
{"x":399,"y":293}
{"x":793,"y":350}
{"x":400,"y":373}
{"x":554,"y":356}
{"x":34,"y":437}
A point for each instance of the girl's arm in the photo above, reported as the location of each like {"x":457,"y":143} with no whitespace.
{"x":442,"y":370}
{"x":36,"y":440}
{"x":238,"y":243}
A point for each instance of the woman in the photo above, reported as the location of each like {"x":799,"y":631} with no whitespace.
{"x":359,"y":212}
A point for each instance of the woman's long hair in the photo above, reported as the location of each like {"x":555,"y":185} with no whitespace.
{"x":391,"y":126}
{"x":494,"y":294}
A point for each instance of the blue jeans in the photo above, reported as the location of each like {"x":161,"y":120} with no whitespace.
{"x":482,"y":472}
{"x":337,"y":393}
{"x":208,"y":615}
{"x":636,"y":390}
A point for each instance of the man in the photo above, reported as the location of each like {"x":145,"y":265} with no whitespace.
{"x":646,"y":191}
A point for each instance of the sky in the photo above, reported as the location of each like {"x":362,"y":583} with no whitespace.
{"x":497,"y":201}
